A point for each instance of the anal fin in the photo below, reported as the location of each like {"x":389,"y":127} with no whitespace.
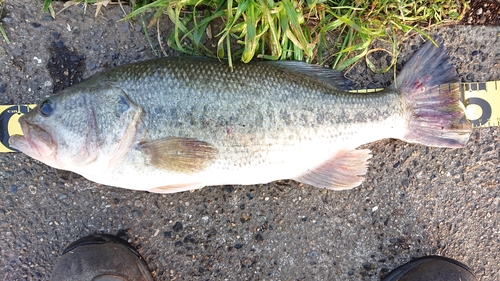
{"x":342,"y":171}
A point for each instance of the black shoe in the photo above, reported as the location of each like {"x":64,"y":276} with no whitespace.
{"x":433,"y":268}
{"x":101,"y":257}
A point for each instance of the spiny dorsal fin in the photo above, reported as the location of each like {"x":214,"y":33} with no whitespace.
{"x":329,"y":76}
{"x":184,"y":155}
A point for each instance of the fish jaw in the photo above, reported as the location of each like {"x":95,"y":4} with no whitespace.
{"x":36,"y":142}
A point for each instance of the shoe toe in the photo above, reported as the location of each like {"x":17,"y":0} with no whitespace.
{"x":101,"y":257}
{"x":434,"y":268}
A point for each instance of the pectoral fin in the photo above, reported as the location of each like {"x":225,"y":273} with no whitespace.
{"x":184,"y":155}
{"x":343,"y":171}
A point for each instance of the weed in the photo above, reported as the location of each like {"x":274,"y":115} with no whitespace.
{"x":2,"y":31}
{"x":295,"y":29}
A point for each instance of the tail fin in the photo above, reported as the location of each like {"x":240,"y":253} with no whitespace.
{"x":429,"y":84}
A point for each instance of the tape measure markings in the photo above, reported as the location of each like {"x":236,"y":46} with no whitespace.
{"x":482,"y":103}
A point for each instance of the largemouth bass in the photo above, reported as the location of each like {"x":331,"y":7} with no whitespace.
{"x":181,"y":123}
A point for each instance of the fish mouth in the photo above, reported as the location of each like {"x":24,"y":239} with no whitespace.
{"x":36,"y":142}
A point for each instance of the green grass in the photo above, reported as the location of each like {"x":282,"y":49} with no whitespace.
{"x":2,"y":31}
{"x":294,"y":30}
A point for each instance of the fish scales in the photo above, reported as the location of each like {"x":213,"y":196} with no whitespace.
{"x":187,"y":97}
{"x":250,"y":118}
{"x":181,"y":123}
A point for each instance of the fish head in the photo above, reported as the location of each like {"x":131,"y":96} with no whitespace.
{"x":58,"y":131}
{"x":85,"y":125}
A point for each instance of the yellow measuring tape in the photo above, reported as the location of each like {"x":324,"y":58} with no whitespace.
{"x":9,"y":125}
{"x":481,"y":101}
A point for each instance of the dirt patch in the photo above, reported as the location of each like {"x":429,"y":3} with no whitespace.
{"x":482,"y":12}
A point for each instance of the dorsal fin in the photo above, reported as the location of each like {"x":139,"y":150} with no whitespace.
{"x":328,"y":76}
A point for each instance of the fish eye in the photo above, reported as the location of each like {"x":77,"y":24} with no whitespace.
{"x":47,"y":107}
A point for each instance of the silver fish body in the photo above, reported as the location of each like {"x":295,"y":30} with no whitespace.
{"x":181,"y":123}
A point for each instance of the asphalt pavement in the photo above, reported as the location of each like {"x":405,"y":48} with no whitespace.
{"x":415,"y":201}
